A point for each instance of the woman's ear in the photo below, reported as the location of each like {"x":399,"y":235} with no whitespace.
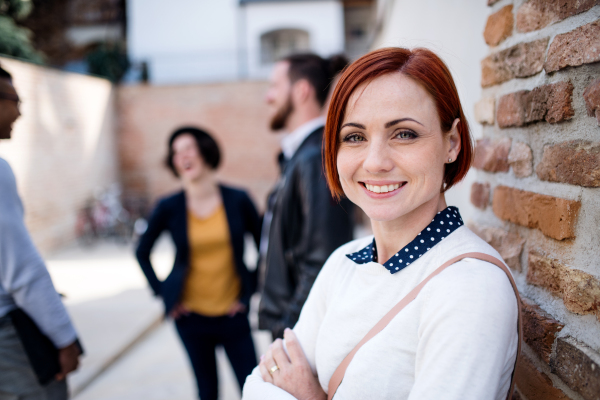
{"x":454,"y":141}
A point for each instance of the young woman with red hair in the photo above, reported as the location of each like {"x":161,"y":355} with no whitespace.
{"x":396,"y":139}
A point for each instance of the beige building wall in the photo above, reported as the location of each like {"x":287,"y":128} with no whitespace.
{"x":234,"y":113}
{"x":63,"y":147}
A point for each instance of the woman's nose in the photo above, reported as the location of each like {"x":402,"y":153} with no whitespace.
{"x":378,"y":158}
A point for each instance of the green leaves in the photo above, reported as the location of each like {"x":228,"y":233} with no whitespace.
{"x":15,"y":40}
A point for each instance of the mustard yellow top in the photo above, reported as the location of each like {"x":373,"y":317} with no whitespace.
{"x":212,"y":285}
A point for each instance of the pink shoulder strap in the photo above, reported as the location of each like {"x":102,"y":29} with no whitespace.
{"x":338,"y":375}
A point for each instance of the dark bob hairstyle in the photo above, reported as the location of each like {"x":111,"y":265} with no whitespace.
{"x":425,"y":68}
{"x":207,"y":146}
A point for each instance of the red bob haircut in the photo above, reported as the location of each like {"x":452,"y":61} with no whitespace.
{"x":425,"y":68}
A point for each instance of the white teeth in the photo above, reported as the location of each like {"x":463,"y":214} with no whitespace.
{"x":382,"y":189}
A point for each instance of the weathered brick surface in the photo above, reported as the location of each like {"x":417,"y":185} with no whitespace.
{"x":520,"y":159}
{"x":591,"y":96}
{"x":553,"y":216}
{"x":534,"y":384}
{"x":536,"y":14}
{"x":519,"y":61}
{"x":571,"y":49}
{"x":480,"y":195}
{"x":485,"y":110}
{"x":508,"y":244}
{"x":539,"y":328}
{"x":499,"y":26}
{"x":579,"y":290}
{"x":492,"y":156}
{"x":578,"y":366}
{"x":552,"y":103}
{"x":576,"y":162}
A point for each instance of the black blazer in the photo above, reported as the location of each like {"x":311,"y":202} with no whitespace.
{"x":171,"y":214}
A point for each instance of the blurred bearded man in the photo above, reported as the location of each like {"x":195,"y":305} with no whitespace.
{"x":28,"y":301}
{"x":303,"y":224}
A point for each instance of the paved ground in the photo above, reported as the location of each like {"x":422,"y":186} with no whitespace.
{"x":131,"y":353}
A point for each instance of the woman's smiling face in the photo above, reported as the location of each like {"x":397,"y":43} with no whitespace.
{"x":392,"y":148}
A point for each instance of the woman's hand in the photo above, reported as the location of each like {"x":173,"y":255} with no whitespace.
{"x":237,"y":307}
{"x":293,"y":373}
{"x":179,"y":311}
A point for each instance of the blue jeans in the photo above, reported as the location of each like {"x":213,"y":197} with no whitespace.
{"x":17,"y":379}
{"x":201,"y":335}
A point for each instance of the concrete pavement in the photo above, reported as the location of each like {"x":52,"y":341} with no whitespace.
{"x":131,"y":352}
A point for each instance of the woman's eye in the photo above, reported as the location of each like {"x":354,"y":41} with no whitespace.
{"x":406,"y":135}
{"x":353,"y":138}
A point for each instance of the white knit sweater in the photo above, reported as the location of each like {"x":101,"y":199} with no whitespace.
{"x":456,"y":340}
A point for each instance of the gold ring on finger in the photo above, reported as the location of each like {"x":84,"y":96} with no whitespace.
{"x":273,"y":369}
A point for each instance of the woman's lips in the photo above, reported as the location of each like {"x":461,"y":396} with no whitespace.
{"x":385,"y":190}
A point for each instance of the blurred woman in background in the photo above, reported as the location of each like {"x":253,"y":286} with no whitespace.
{"x":208,"y":290}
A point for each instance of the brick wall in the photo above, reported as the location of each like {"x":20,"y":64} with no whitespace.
{"x":538,"y":183}
{"x":63,"y":147}
{"x":234,"y":113}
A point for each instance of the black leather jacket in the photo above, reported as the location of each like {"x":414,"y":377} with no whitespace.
{"x":307,"y":226}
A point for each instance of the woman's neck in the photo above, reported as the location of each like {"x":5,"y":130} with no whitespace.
{"x":202,"y":195}
{"x":391,"y":236}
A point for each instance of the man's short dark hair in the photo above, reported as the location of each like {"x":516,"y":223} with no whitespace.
{"x":207,"y":146}
{"x":317,"y":71}
{"x":4,"y":74}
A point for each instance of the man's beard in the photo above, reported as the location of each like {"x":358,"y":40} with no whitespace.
{"x":280,"y":118}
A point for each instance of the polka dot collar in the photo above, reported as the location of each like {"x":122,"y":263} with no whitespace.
{"x":444,"y":223}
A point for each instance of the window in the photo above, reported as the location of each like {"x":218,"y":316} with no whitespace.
{"x":282,"y":42}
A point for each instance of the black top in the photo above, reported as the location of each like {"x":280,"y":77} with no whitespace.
{"x":171,"y":215}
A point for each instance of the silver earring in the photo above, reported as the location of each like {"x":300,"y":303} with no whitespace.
{"x":449,"y":160}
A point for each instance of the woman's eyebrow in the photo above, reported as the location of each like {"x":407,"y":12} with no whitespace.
{"x":397,"y":121}
{"x":354,"y":124}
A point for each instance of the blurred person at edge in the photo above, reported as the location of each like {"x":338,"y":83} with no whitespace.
{"x":396,"y":139}
{"x":208,"y":290}
{"x":303,"y":223}
{"x":26,"y":284}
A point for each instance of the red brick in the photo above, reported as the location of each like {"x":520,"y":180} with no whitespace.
{"x":576,"y":162}
{"x":591,"y":96}
{"x":480,"y":195}
{"x":484,"y":110}
{"x":519,"y":61}
{"x":579,"y":290}
{"x":499,"y":26}
{"x":552,"y":103}
{"x":534,"y":384}
{"x":571,"y":49}
{"x":539,"y":328}
{"x":553,"y":216}
{"x":520,"y":159}
{"x":536,"y":14}
{"x":509,"y":245}
{"x":492,"y":156}
{"x":578,"y":366}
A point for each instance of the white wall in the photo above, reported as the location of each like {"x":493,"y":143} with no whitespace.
{"x":323,"y":20}
{"x":185,"y":40}
{"x":454,"y":30}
